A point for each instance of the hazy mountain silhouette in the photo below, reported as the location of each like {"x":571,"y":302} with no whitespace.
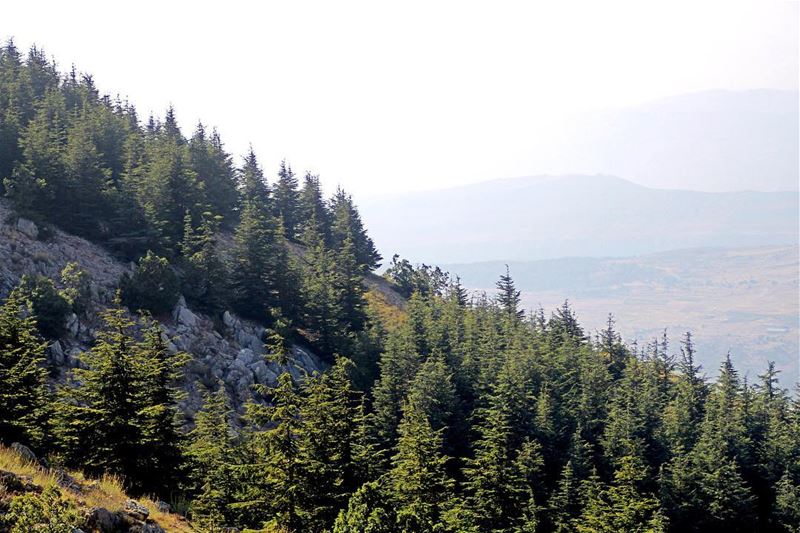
{"x":706,"y":141}
{"x":556,"y":216}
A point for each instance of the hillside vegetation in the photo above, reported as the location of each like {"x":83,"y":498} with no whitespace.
{"x":433,"y":411}
{"x":742,"y":300}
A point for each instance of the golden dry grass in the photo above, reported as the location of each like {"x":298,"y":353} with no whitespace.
{"x":106,"y":492}
{"x":391,"y":315}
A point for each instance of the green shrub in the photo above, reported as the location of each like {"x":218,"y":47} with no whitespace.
{"x":48,"y":304}
{"x":47,"y":512}
{"x":153,"y":287}
{"x":76,"y":288}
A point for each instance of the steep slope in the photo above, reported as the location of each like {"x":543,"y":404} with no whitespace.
{"x":589,"y":216}
{"x":232,"y":352}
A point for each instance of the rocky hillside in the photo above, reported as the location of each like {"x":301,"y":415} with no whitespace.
{"x":232,"y":351}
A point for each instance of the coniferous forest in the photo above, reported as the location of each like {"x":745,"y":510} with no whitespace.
{"x":466,"y":413}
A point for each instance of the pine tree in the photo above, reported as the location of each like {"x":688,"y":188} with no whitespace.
{"x":329,"y":415}
{"x":509,"y":297}
{"x":160,"y":448}
{"x":252,"y":185}
{"x":787,"y":504}
{"x":24,"y":396}
{"x":208,"y":450}
{"x":684,"y":413}
{"x":257,"y":258}
{"x":215,"y":174}
{"x":281,"y":470}
{"x":368,"y":511}
{"x":287,"y":202}
{"x":399,"y":364}
{"x":169,"y":186}
{"x":621,"y":507}
{"x":612,"y":349}
{"x":347,"y":223}
{"x":312,"y":210}
{"x":565,"y":503}
{"x":98,"y":416}
{"x":499,"y":489}
{"x":420,"y":484}
{"x":205,"y":275}
{"x":325,"y":293}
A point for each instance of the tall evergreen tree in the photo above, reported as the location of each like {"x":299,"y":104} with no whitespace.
{"x":209,"y":448}
{"x":24,"y":396}
{"x":347,"y":223}
{"x":508,"y":297}
{"x":98,"y":416}
{"x":287,"y":201}
{"x":420,"y":484}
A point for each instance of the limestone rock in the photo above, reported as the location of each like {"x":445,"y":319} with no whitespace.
{"x":136,"y":510}
{"x":27,"y":228}
{"x":24,"y":452}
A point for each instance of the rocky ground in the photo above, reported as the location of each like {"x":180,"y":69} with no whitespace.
{"x":231,"y":352}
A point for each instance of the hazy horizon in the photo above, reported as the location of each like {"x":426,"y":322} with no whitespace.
{"x":498,"y":90}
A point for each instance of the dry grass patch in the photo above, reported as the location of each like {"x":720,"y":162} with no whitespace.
{"x":106,"y":492}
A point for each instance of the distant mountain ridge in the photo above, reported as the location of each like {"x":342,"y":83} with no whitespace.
{"x":544,"y":217}
{"x":714,"y":140}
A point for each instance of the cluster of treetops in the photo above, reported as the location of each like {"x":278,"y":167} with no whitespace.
{"x":467,"y":416}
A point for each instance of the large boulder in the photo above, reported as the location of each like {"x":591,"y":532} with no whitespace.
{"x":27,"y":228}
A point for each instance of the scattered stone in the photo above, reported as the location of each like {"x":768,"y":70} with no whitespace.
{"x":24,"y":452}
{"x":185,"y":317}
{"x":57,"y":354}
{"x":164,"y":507}
{"x":65,"y":481}
{"x":228,"y":320}
{"x":27,"y":228}
{"x":103,"y":520}
{"x":136,"y":510}
{"x":13,"y":483}
{"x":73,"y":325}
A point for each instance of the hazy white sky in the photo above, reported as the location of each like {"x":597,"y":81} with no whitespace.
{"x":380,"y":96}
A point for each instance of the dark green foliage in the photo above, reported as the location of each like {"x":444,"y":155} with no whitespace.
{"x":161,"y":458}
{"x":77,"y":289}
{"x":119,"y":415}
{"x":97,"y":420}
{"x":423,"y":279}
{"x":153,"y":287}
{"x":47,"y":303}
{"x":621,"y":506}
{"x":208,"y":452}
{"x":508,"y":297}
{"x":334,"y":295}
{"x":46,"y":512}
{"x":421,"y":487}
{"x":205,"y":276}
{"x":287,"y":201}
{"x":259,"y":263}
{"x":347,"y":224}
{"x":215,"y":173}
{"x":368,"y":511}
{"x":24,"y":396}
{"x":313,"y":212}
